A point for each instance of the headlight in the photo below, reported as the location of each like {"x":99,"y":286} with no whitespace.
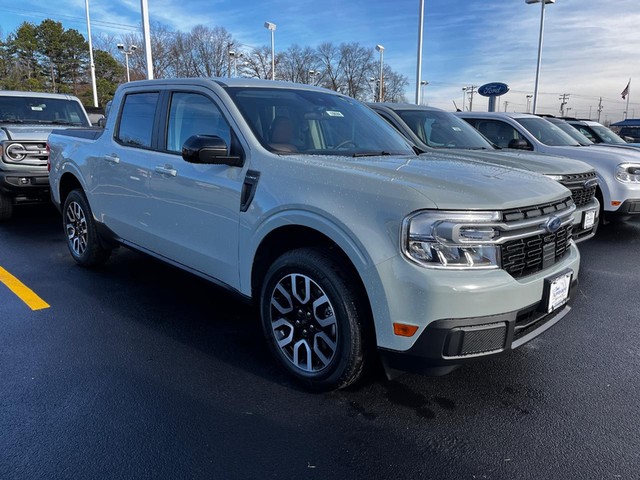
{"x":557,"y":178}
{"x":628,"y":173}
{"x":452,"y":239}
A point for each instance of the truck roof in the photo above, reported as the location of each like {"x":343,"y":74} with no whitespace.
{"x":17,"y":93}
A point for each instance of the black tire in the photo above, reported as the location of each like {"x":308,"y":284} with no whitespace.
{"x":6,"y":207}
{"x":308,"y":305}
{"x":80,"y":230}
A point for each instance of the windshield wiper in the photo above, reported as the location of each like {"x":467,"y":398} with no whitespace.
{"x":370,"y":154}
{"x":15,"y":120}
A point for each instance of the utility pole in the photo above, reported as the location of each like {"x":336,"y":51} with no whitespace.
{"x":471,"y":90}
{"x":599,"y":109}
{"x":506,"y":103}
{"x":563,"y":101}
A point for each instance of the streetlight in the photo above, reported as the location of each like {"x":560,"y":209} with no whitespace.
{"x":91,"y":63}
{"x":272,"y":27}
{"x":312,"y":74}
{"x":529,"y":102}
{"x":535,"y":88}
{"x":423,"y":83}
{"x":126,"y":53}
{"x":380,"y":48}
{"x":464,"y":97}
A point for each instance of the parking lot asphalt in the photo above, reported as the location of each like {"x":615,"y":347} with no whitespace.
{"x":137,"y":370}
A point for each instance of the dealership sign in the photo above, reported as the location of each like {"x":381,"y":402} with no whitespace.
{"x":493,"y":89}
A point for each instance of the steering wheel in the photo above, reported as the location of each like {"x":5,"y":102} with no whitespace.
{"x":344,"y":144}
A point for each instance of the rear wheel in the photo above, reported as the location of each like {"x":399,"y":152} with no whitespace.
{"x":6,"y":206}
{"x":312,"y":319}
{"x":80,"y":229}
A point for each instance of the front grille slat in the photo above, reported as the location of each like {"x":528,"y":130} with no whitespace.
{"x":581,"y":194}
{"x":526,"y":257}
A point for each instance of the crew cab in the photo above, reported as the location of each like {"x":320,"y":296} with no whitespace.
{"x":26,"y":119}
{"x":434,"y":130}
{"x":308,"y":204}
{"x":617,"y":169}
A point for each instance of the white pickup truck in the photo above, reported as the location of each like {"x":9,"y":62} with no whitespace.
{"x":26,"y":119}
{"x":307,"y":203}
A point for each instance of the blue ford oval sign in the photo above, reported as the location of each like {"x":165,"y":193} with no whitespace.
{"x":493,"y":89}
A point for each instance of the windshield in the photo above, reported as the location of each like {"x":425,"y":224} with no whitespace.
{"x":546,"y":132}
{"x":439,"y":129}
{"x":573,"y":133}
{"x":607,"y":135}
{"x":52,"y":111}
{"x":318,"y":123}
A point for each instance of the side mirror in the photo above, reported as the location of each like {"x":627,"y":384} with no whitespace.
{"x":102,"y":122}
{"x":209,"y":149}
{"x":519,"y":144}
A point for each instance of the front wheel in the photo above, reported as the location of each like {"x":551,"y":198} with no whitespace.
{"x":81,"y":232}
{"x":312,"y":318}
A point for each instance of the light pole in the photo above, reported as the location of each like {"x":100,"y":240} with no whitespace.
{"x":419,"y":59}
{"x":380,"y":48}
{"x":464,"y":97}
{"x":529,"y":102}
{"x":312,"y":74}
{"x":423,"y":83}
{"x":91,"y":64}
{"x":272,"y":28}
{"x":230,"y":55}
{"x":535,"y":88}
{"x":126,"y":53}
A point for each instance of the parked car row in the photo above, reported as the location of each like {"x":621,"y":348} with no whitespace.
{"x":427,"y":249}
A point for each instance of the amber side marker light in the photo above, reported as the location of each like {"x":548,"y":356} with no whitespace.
{"x":615,"y":203}
{"x":403,"y":330}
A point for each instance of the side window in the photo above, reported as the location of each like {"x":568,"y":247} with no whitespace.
{"x":587,"y":133}
{"x":498,"y":132}
{"x":194,"y":114}
{"x":136,"y":120}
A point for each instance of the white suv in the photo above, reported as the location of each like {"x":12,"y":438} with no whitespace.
{"x":618,"y":169}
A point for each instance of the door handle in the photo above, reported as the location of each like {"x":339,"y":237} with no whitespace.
{"x":112,"y":158}
{"x":166,"y":170}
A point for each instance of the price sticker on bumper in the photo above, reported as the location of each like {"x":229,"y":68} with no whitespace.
{"x":559,"y":291}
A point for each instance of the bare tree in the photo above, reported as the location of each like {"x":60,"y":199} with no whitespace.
{"x":296,"y":62}
{"x":356,"y":66}
{"x":257,"y":63}
{"x":394,"y":85}
{"x":329,"y":58}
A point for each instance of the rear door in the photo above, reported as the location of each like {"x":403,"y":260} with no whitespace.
{"x":120,"y":198}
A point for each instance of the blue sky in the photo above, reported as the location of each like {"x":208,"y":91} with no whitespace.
{"x":590,"y":47}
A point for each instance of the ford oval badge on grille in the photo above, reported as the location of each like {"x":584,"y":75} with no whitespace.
{"x":591,"y":183}
{"x":553,"y":224}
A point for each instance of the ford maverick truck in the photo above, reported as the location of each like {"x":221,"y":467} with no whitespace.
{"x":26,"y":119}
{"x":307,"y":203}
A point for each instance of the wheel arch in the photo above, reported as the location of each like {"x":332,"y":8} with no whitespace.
{"x":68,"y":183}
{"x":290,"y":237}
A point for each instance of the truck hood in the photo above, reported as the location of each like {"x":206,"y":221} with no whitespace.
{"x":28,"y":132}
{"x":596,"y":155}
{"x":534,"y":162}
{"x":448,"y":182}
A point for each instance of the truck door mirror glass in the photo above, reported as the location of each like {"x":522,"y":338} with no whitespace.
{"x":208,"y":149}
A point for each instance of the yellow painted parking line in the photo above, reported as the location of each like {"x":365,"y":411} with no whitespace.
{"x":28,"y":296}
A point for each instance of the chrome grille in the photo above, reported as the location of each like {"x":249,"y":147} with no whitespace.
{"x":26,"y":153}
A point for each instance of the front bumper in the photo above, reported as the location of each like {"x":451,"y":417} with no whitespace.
{"x":629,"y":207}
{"x":25,"y":185}
{"x":440,"y":301}
{"x":446,"y":344}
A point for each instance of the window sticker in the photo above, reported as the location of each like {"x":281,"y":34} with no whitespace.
{"x":333,"y":113}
